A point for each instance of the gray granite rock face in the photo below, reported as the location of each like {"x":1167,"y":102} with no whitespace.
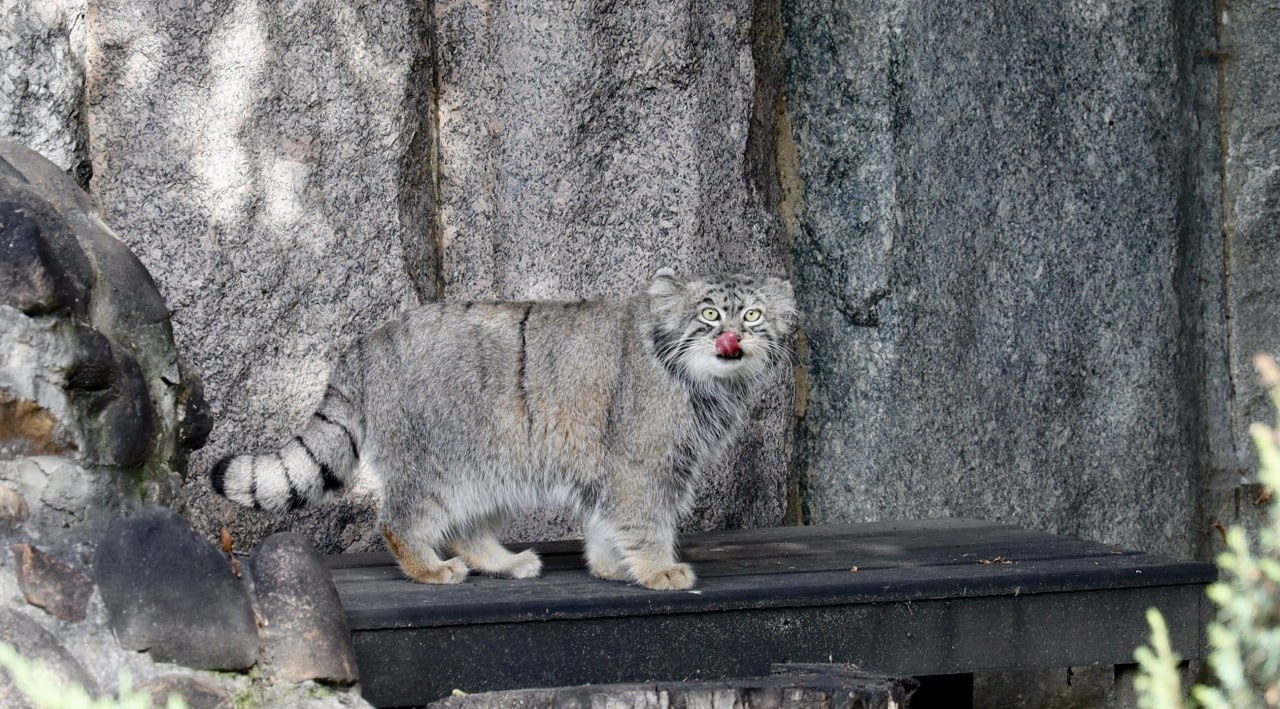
{"x":1249,"y":38}
{"x":97,"y":409}
{"x":582,"y":146}
{"x":1000,"y":253}
{"x":268,"y":167}
{"x":1251,"y":190}
{"x":42,"y":80}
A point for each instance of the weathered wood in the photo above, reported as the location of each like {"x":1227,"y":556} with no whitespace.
{"x":927,"y":598}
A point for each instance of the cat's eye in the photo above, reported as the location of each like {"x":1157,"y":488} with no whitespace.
{"x":752,"y":315}
{"x":710,"y":314}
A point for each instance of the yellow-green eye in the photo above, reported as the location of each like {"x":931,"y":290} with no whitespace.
{"x":710,"y":314}
{"x":752,"y":315}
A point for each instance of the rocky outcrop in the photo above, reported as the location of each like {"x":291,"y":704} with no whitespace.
{"x":149,"y":598}
{"x":304,"y":634}
{"x":97,"y":409}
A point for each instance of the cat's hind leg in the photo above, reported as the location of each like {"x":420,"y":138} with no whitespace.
{"x":646,"y":547}
{"x":419,"y":560}
{"x":482,"y":551}
{"x":415,"y":530}
{"x":601,"y":551}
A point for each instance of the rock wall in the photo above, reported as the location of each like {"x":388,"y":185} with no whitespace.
{"x":262,"y":165}
{"x":1004,"y":252}
{"x":1251,"y":200}
{"x":42,"y":80}
{"x":1246,"y":55}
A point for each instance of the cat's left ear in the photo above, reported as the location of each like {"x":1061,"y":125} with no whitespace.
{"x":666,"y":293}
{"x":781,"y":300}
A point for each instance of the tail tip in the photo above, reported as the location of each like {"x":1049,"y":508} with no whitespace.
{"x":218,"y":475}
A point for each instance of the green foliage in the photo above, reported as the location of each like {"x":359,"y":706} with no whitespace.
{"x":44,"y":689}
{"x":1157,"y":681}
{"x":1244,"y":637}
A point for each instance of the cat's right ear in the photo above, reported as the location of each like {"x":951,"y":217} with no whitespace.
{"x":666,"y":293}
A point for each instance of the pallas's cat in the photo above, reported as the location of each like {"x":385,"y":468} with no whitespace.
{"x":464,"y":413}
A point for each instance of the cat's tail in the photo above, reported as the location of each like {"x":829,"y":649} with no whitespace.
{"x":318,"y":462}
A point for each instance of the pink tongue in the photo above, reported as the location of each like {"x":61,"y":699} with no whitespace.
{"x":727,"y":345}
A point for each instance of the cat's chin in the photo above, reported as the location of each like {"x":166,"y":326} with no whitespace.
{"x":715,"y":367}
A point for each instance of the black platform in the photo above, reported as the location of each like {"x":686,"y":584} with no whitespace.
{"x":941,"y":597}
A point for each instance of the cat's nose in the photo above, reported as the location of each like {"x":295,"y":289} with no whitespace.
{"x":727,"y":344}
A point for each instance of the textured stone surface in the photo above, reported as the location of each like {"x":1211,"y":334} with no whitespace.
{"x":88,"y":368}
{"x":195,"y":692}
{"x":85,"y":651}
{"x":304,"y":632}
{"x":1249,"y":49}
{"x":34,"y":642}
{"x":50,"y":584}
{"x":42,"y":79}
{"x":582,"y":146}
{"x":1000,"y":252}
{"x":14,"y":509}
{"x":1251,"y":199}
{"x":269,"y":167}
{"x":171,"y":593}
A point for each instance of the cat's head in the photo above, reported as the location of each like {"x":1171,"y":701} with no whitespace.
{"x":721,"y":327}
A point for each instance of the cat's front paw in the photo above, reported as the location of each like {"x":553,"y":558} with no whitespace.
{"x":676,"y":577}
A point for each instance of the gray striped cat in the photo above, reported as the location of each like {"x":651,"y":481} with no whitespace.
{"x":466,"y":412}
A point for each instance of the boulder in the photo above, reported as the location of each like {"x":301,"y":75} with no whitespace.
{"x":171,"y":593}
{"x":88,"y":368}
{"x":304,"y":632}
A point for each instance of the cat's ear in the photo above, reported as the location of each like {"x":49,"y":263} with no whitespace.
{"x":781,"y":300}
{"x":666,"y":292}
{"x":780,"y":288}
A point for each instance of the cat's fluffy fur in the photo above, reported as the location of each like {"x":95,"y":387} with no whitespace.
{"x":467,"y":412}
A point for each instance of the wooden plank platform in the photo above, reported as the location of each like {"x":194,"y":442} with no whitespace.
{"x":937,"y":597}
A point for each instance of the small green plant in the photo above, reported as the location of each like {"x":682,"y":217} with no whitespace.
{"x":1244,"y":637}
{"x":44,"y":689}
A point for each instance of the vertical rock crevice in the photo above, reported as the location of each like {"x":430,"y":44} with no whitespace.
{"x":419,"y":168}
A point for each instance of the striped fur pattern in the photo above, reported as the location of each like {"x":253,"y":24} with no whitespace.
{"x":466,"y":413}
